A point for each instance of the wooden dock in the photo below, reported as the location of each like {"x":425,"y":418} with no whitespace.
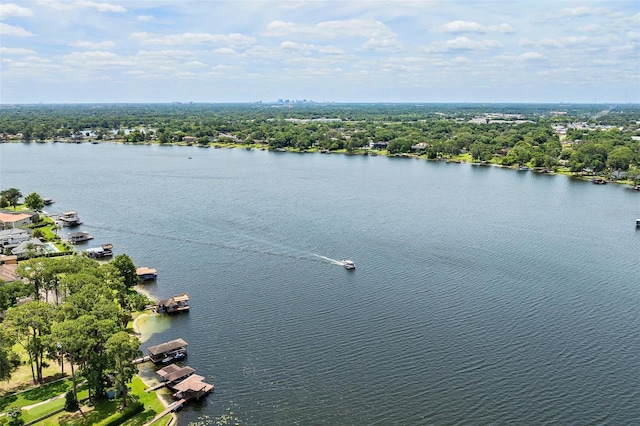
{"x":141,"y":360}
{"x":156,"y":387}
{"x":170,"y":409}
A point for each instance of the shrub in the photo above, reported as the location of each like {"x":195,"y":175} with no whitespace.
{"x":71,"y":403}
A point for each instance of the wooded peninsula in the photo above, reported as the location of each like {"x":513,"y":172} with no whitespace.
{"x":583,"y":140}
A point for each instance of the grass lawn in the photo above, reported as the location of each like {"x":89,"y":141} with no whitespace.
{"x":92,"y":415}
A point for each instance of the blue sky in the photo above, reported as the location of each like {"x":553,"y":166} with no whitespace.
{"x":339,"y":51}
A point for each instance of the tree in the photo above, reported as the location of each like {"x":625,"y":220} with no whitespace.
{"x":34,"y":202}
{"x":127,"y":269}
{"x":620,"y":158}
{"x":12,"y":195}
{"x":29,"y":324}
{"x":6,"y":365}
{"x":70,"y":340}
{"x":122,"y":348}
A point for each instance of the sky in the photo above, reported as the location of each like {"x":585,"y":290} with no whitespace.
{"x":84,"y":51}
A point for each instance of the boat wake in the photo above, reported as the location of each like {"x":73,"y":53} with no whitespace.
{"x":328,"y":259}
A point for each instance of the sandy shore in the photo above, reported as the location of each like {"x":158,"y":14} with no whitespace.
{"x":143,"y":333}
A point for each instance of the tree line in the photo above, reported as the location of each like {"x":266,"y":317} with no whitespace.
{"x":608,"y":141}
{"x":78,"y":311}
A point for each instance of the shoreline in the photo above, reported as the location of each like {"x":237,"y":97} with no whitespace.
{"x":364,"y":152}
{"x":139,"y":330}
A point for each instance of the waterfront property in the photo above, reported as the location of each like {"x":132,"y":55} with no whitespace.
{"x":10,"y":238}
{"x":167,"y":352}
{"x":146,"y":274}
{"x":10,"y":220}
{"x":177,"y":303}
{"x":31,"y":246}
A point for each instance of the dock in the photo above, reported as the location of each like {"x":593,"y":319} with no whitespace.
{"x":141,"y":360}
{"x":185,"y":384}
{"x":170,"y":409}
{"x":176,"y":304}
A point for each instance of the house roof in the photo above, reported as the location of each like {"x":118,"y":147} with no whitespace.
{"x":13,"y":232}
{"x":13,"y":217}
{"x":167,"y":347}
{"x":22,"y":247}
{"x":8,"y":272}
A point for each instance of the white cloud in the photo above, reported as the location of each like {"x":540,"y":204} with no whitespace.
{"x":307,"y":49}
{"x":462,"y":43}
{"x":102,"y":7}
{"x":225,"y":51}
{"x":7,"y":10}
{"x":93,"y":45}
{"x":144,"y":18}
{"x":235,"y":39}
{"x":578,"y":12}
{"x":96,"y":59}
{"x":13,"y":31}
{"x":473,"y":27}
{"x":530,"y":55}
{"x":15,"y":51}
{"x":370,"y":29}
{"x":382,"y":44}
{"x":82,"y":4}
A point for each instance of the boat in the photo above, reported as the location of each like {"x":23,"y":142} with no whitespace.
{"x":637,"y":223}
{"x":78,"y":237}
{"x":48,"y":201}
{"x":349,"y":264}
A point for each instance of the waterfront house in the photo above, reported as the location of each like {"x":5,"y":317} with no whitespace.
{"x":32,"y":246}
{"x":11,"y":220}
{"x":10,"y":238}
{"x":167,"y":352}
{"x":8,"y":267}
{"x":178,"y":303}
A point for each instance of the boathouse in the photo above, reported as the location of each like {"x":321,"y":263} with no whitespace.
{"x":167,"y":352}
{"x":178,"y":303}
{"x":146,"y":274}
{"x":192,"y":387}
{"x":173,"y":373}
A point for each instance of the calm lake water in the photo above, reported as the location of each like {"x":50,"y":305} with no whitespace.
{"x":481,"y":295}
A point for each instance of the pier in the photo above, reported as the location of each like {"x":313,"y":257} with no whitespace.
{"x":185,"y":384}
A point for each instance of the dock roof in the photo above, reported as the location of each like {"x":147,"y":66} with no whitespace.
{"x":177,"y":374}
{"x":143,"y":270}
{"x":167,"y":347}
{"x":194,"y":384}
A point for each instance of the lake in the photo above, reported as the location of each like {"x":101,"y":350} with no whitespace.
{"x":481,"y":295}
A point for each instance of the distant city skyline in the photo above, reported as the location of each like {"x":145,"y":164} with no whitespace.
{"x":441,"y":51}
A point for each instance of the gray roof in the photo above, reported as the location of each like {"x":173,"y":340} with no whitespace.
{"x":22,"y":247}
{"x":13,"y":231}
